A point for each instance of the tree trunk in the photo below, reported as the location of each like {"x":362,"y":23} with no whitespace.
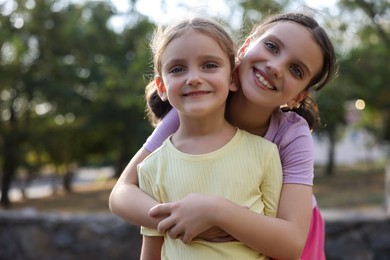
{"x":123,"y":159}
{"x":331,"y":153}
{"x":67,"y":181}
{"x":11,"y":140}
{"x":121,"y":164}
{"x":5,"y":185}
{"x":9,"y":169}
{"x":387,"y":189}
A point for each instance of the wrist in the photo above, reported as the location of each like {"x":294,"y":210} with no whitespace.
{"x":218,"y":211}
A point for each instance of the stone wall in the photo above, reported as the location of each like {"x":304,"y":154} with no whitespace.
{"x":42,"y":236}
{"x":29,"y":235}
{"x":358,"y":240}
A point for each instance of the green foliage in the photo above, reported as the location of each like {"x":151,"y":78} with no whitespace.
{"x":72,"y":88}
{"x":256,"y":10}
{"x":331,"y":102}
{"x":365,"y":68}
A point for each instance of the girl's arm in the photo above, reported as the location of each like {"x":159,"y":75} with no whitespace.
{"x":129,"y":202}
{"x":283,"y":237}
{"x":151,"y":247}
{"x":126,"y":199}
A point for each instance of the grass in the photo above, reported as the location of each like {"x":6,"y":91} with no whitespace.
{"x":356,"y":187}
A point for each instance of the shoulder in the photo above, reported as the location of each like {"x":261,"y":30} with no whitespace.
{"x":157,"y":155}
{"x":288,"y":127}
{"x":289,"y":121}
{"x":256,"y":142}
{"x":292,"y":135}
{"x":254,"y":138}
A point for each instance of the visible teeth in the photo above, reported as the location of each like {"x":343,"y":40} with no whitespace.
{"x":263,"y":81}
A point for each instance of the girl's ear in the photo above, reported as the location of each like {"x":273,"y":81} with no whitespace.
{"x":160,"y":88}
{"x":235,"y":84}
{"x":295,"y":102}
{"x":242,"y":49}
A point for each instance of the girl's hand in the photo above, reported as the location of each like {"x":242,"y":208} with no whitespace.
{"x":189,"y":217}
{"x":215,"y":234}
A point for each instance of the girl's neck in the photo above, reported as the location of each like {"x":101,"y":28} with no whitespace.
{"x":248,"y":116}
{"x":202,"y":135}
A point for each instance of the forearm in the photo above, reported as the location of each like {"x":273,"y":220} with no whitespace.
{"x":283,"y":237}
{"x":273,"y":237}
{"x":151,"y":248}
{"x":128,"y":201}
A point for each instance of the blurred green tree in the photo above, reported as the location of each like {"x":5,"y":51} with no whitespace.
{"x":72,"y":87}
{"x":331,"y":102}
{"x":366,"y":66}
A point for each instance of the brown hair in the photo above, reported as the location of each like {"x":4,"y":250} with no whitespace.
{"x":156,"y":108}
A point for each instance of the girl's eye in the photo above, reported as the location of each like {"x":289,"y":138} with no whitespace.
{"x":176,"y":69}
{"x":210,"y":65}
{"x":296,"y":71}
{"x":271,"y":46}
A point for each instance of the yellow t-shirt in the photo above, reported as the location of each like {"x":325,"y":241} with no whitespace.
{"x":247,"y":171}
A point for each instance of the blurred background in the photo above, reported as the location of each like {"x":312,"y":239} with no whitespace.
{"x":72,"y":110}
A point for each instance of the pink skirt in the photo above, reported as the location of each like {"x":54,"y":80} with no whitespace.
{"x":315,"y":244}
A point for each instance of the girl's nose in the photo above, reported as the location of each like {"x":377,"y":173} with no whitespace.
{"x":193,"y":78}
{"x":275,"y":67}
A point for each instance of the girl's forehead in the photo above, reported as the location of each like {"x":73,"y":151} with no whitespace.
{"x":193,"y":38}
{"x":192,"y":44}
{"x":288,"y":29}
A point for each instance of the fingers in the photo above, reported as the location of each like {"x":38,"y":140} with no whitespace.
{"x":174,"y":231}
{"x":186,"y":238}
{"x":160,"y":210}
{"x":168,"y":224}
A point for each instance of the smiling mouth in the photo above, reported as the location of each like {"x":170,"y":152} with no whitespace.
{"x":196,"y":93}
{"x":264,"y":81}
